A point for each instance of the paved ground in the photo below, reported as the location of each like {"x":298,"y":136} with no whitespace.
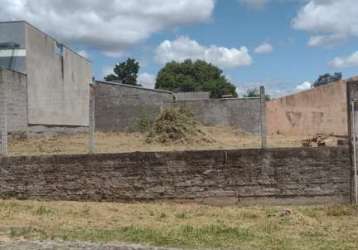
{"x":51,"y":245}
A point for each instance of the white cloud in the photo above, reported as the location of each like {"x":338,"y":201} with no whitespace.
{"x":325,"y":40}
{"x":329,"y":21}
{"x":304,"y":86}
{"x":185,"y":48}
{"x":264,"y":48}
{"x":147,"y":80}
{"x":256,"y":4}
{"x":110,"y":25}
{"x":345,"y":62}
{"x":83,"y":53}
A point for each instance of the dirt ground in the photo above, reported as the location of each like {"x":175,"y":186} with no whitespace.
{"x":222,"y":138}
{"x":63,"y":245}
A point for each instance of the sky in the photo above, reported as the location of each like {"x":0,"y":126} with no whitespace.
{"x":283,"y":45}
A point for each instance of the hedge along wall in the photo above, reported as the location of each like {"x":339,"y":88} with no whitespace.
{"x":312,"y":175}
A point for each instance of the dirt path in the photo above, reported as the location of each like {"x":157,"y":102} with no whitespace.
{"x":51,"y":245}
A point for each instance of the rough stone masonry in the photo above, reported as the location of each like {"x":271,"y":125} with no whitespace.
{"x":300,"y":175}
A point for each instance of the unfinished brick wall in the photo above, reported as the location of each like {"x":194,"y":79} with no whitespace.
{"x":234,"y":177}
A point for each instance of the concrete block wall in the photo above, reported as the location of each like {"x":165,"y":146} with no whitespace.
{"x":240,"y":113}
{"x":58,"y":82}
{"x":189,"y":96}
{"x":295,"y":176}
{"x":120,"y":107}
{"x":14,"y":86}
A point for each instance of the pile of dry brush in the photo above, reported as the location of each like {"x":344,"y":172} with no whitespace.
{"x":176,"y":125}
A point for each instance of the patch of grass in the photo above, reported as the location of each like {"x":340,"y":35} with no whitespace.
{"x":181,"y":215}
{"x":162,"y":216}
{"x":42,"y":210}
{"x":249,"y":215}
{"x":144,"y":124}
{"x":185,"y":235}
{"x":184,"y":225}
{"x":27,"y":233}
{"x":338,"y":211}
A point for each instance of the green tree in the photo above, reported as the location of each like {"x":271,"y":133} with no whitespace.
{"x":195,"y":76}
{"x":125,"y":72}
{"x":255,"y":92}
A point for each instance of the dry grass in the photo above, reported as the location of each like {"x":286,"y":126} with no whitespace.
{"x":218,"y":138}
{"x":179,"y":225}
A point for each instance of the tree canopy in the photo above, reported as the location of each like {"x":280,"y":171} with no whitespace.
{"x":190,"y":76}
{"x":125,"y":72}
{"x":327,"y":78}
{"x":255,"y":92}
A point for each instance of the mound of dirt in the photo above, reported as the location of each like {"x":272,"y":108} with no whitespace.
{"x":176,"y":125}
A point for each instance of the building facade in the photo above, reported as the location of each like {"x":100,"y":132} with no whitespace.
{"x":57,"y":78}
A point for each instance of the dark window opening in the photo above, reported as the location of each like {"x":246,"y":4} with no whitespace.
{"x":12,"y":47}
{"x":59,"y":50}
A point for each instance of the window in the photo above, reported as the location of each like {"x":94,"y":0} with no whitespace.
{"x":59,"y":49}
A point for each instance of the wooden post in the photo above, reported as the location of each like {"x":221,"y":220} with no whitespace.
{"x":3,"y":117}
{"x":92,"y":122}
{"x":263,"y":128}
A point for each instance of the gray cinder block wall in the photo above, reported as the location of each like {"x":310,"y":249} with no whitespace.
{"x":295,"y":176}
{"x":189,"y":96}
{"x":13,"y":85}
{"x":240,"y":113}
{"x":121,"y":107}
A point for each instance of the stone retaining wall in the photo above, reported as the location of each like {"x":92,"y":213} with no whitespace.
{"x":312,"y":175}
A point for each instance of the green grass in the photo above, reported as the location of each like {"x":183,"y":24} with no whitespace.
{"x":216,"y":236}
{"x":185,"y":226}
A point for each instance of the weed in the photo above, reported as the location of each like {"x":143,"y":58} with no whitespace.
{"x":162,"y":216}
{"x":181,"y":216}
{"x":338,"y":211}
{"x":43,"y":211}
{"x":27,"y":233}
{"x":144,"y":124}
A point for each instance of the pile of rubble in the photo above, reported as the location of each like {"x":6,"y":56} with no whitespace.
{"x":325,"y":140}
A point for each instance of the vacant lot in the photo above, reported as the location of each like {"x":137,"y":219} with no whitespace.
{"x":179,"y":225}
{"x":220,"y":138}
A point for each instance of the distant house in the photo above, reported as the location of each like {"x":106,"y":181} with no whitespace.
{"x":42,"y":74}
